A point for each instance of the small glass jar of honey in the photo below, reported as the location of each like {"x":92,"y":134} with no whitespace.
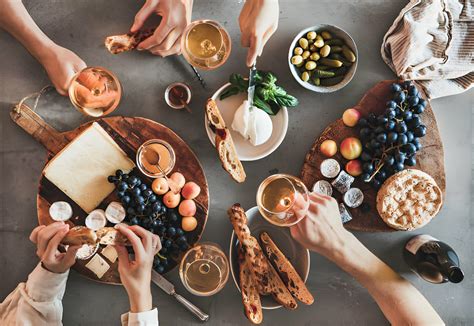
{"x":155,"y":152}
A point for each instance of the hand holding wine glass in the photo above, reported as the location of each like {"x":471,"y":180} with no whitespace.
{"x":258,"y":21}
{"x":176,"y":15}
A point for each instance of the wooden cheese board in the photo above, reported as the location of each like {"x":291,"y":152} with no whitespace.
{"x":430,"y":158}
{"x":129,"y":133}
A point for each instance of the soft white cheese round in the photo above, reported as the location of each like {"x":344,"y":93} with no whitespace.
{"x":96,"y":219}
{"x":241,"y":119}
{"x":115,"y":212}
{"x":260,"y":127}
{"x":60,"y":211}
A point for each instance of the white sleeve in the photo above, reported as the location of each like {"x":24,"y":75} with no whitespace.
{"x":36,"y":302}
{"x":146,"y":318}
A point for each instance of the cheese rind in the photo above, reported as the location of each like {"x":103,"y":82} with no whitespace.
{"x":80,"y":169}
{"x":98,"y":266}
{"x":110,"y":253}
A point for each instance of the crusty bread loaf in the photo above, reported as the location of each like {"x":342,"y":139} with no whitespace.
{"x":278,"y":289}
{"x":79,"y":235}
{"x":254,"y":256}
{"x":248,"y":289}
{"x":224,"y":143}
{"x":285,"y":269}
{"x":126,"y":42}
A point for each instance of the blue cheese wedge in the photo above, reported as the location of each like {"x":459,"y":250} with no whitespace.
{"x":110,"y":253}
{"x":80,"y":169}
{"x":98,"y":266}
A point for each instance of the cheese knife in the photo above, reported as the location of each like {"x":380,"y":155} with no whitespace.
{"x":251,"y":88}
{"x":168,"y":287}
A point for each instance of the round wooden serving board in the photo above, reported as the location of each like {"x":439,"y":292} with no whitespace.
{"x":129,"y":133}
{"x":430,"y":158}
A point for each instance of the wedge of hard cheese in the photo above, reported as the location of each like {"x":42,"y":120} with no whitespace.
{"x":80,"y":169}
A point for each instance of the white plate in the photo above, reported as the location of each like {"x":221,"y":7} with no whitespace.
{"x":296,"y":253}
{"x":245,"y":150}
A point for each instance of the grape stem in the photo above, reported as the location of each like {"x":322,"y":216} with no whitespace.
{"x":376,"y":171}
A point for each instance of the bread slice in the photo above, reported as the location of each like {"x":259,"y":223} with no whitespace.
{"x":279,"y":291}
{"x":111,"y":236}
{"x":79,"y":235}
{"x":224,"y":143}
{"x":285,"y":270}
{"x":248,"y":289}
{"x":125,"y":42}
{"x":258,"y":264}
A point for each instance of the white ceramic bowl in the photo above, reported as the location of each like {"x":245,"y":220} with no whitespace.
{"x":245,"y":150}
{"x":296,"y":253}
{"x":336,"y":33}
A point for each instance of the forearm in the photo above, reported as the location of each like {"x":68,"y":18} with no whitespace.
{"x":17,"y":21}
{"x":398,"y":299}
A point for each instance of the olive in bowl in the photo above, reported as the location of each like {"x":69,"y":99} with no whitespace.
{"x":323,"y":58}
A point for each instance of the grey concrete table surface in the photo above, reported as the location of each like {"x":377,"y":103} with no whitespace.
{"x":82,"y":25}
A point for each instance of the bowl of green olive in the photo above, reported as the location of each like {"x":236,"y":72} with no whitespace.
{"x":323,"y":58}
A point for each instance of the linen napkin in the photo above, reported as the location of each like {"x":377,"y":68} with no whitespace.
{"x":432,"y":42}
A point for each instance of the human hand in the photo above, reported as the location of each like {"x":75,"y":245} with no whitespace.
{"x":47,"y":240}
{"x":175,"y":14}
{"x":136,"y":274}
{"x":321,"y":230}
{"x":61,"y":65}
{"x":258,"y":21}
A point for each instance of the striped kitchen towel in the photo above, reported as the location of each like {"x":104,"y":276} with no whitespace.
{"x":432,"y":42}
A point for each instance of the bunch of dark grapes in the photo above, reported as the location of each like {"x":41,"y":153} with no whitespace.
{"x":390,"y":141}
{"x":146,"y":209}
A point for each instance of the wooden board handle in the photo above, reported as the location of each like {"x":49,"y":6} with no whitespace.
{"x":34,"y":125}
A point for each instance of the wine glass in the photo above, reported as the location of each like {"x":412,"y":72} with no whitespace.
{"x":204,"y":269}
{"x":95,"y":91}
{"x":205,"y":44}
{"x":283,"y":199}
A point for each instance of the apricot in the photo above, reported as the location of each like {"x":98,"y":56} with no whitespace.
{"x":171,"y":200}
{"x":328,"y":148}
{"x":350,"y":117}
{"x":179,"y":179}
{"x":188,"y":223}
{"x":354,"y":168}
{"x":351,"y":148}
{"x":187,"y":208}
{"x":160,"y":186}
{"x":190,"y":190}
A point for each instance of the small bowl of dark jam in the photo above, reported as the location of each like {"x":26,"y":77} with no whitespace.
{"x":178,"y":95}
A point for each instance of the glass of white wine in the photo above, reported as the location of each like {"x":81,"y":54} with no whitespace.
{"x":95,"y":91}
{"x":205,"y":44}
{"x":204,"y":269}
{"x":283,"y":199}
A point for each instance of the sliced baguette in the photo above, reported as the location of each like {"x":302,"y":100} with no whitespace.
{"x":258,"y":264}
{"x":125,"y":42}
{"x":248,"y":289}
{"x":224,"y":143}
{"x":79,"y":235}
{"x":278,"y":289}
{"x":286,"y":271}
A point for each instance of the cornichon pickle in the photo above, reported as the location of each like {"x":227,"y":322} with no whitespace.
{"x":323,"y":73}
{"x":311,"y":35}
{"x":331,"y":81}
{"x":335,"y":49}
{"x":296,"y":59}
{"x":306,"y":54}
{"x":331,"y":62}
{"x":335,"y":41}
{"x":305,"y":76}
{"x":314,"y":56}
{"x":303,"y":43}
{"x":323,"y":67}
{"x":310,"y":65}
{"x":319,"y":42}
{"x":316,"y":81}
{"x":337,"y":56}
{"x":340,"y":71}
{"x":350,"y":56}
{"x":298,"y":50}
{"x":326,"y":35}
{"x":325,"y":50}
